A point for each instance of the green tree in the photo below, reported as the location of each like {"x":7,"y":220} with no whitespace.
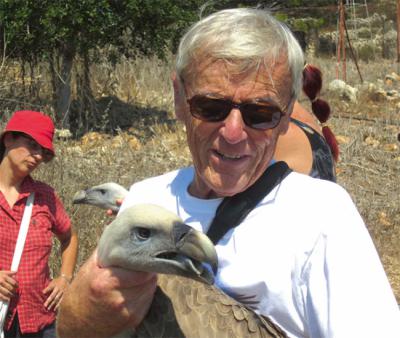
{"x":62,"y":30}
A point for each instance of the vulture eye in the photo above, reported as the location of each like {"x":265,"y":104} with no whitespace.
{"x":102,"y":191}
{"x":143,"y":234}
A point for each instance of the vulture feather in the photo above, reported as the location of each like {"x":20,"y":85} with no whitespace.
{"x":186,"y":304}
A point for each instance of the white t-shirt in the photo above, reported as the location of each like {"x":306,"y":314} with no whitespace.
{"x":303,"y":257}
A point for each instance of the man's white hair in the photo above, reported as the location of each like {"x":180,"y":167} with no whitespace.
{"x":246,"y":37}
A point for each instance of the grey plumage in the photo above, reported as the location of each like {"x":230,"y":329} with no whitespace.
{"x":103,"y":196}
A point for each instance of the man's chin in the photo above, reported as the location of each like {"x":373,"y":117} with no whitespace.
{"x":214,"y":184}
{"x":228,"y":186}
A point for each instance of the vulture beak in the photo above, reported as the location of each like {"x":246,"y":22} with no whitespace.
{"x":79,"y":197}
{"x":192,"y":249}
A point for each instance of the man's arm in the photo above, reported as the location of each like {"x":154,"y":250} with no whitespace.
{"x":104,"y":301}
{"x":347,"y":292}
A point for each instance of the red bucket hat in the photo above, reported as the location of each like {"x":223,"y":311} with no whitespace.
{"x":35,"y":124}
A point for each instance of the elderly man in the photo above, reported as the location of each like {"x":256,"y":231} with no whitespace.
{"x":302,"y":256}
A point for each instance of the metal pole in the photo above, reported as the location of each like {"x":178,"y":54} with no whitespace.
{"x":342,"y":39}
{"x":338,"y":58}
{"x":338,"y":44}
{"x":353,"y":55}
{"x":398,"y":34}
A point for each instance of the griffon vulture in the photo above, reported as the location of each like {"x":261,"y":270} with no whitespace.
{"x":150,"y":238}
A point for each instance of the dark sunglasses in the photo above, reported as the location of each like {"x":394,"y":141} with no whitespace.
{"x":37,"y":148}
{"x":257,"y":114}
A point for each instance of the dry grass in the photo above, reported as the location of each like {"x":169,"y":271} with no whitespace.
{"x":368,"y":168}
{"x":371,"y":175}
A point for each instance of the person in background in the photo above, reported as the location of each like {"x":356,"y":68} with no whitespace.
{"x":25,"y":143}
{"x":303,"y":256}
{"x":307,"y":147}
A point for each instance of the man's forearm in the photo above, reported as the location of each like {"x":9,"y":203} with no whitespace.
{"x":102,"y":302}
{"x":76,"y":316}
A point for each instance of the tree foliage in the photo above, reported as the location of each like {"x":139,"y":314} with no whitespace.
{"x":36,"y":27}
{"x":59,"y":31}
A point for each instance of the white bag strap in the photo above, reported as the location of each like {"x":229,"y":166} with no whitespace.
{"x":23,"y":230}
{"x":19,"y":247}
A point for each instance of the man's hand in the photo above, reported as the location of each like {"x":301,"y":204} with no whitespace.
{"x":8,"y":285}
{"x":101,"y":302}
{"x":110,"y":212}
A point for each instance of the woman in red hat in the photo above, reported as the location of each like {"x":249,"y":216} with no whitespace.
{"x":33,"y":296}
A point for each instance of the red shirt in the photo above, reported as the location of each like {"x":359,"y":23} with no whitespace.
{"x":48,"y":217}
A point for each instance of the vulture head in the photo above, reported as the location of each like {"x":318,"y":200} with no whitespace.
{"x":147,"y":237}
{"x":103,"y":196}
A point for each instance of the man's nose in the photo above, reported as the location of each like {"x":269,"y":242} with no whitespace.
{"x":233,"y":129}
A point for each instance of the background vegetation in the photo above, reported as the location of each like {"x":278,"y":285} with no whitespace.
{"x":102,"y":68}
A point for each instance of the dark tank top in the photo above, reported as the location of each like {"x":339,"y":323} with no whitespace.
{"x":323,"y":164}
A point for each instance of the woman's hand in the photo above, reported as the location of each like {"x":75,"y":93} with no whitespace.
{"x":55,"y":289}
{"x":8,"y":285}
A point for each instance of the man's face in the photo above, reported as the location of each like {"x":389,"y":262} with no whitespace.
{"x":230,"y":156}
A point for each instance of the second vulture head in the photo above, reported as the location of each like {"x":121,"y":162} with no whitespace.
{"x":103,"y":196}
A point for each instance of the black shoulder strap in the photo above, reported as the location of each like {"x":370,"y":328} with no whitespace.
{"x":234,"y":209}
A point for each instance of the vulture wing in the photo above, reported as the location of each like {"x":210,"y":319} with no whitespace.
{"x":185,"y":308}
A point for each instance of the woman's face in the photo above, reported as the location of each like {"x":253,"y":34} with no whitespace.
{"x":24,"y":153}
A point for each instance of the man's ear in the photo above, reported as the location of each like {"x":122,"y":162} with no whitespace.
{"x":179,"y":97}
{"x":284,"y":124}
